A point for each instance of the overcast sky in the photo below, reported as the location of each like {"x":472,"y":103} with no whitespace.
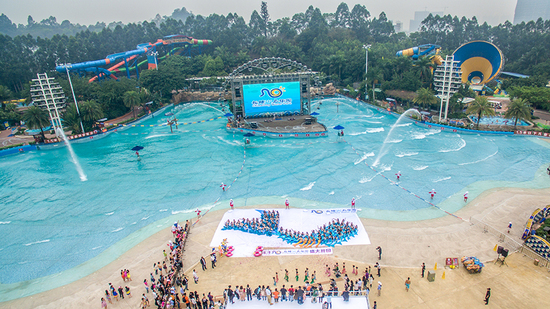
{"x":91,"y":11}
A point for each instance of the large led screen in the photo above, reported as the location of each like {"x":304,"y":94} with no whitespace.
{"x":260,"y":99}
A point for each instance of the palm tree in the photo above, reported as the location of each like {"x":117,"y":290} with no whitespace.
{"x":425,"y":96}
{"x":519,"y":109}
{"x":481,"y":107}
{"x":131,"y":99}
{"x":71,"y":119}
{"x":36,"y":118}
{"x":91,"y":111}
{"x":425,"y":67}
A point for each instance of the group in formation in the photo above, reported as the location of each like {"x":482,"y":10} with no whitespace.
{"x":334,"y":233}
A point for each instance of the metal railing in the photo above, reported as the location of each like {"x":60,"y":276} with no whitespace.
{"x":510,"y":243}
{"x":528,"y":252}
{"x":502,"y":237}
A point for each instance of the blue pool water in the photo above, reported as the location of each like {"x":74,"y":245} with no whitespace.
{"x":56,"y":222}
{"x":500,"y":121}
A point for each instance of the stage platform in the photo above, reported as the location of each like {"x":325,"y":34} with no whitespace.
{"x":281,"y":125}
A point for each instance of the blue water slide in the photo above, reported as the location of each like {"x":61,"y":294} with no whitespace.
{"x":92,"y":66}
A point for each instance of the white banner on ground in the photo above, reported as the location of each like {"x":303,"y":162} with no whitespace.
{"x":303,"y":220}
{"x":306,"y":251}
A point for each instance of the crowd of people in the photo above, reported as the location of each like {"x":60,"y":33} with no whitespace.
{"x":166,"y":280}
{"x":334,"y":233}
{"x":267,"y":224}
{"x":310,"y":290}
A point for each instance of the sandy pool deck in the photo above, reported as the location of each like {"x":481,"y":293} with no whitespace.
{"x":405,"y":246}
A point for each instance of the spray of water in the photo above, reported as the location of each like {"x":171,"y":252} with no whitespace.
{"x":198,"y":103}
{"x":74,"y":159}
{"x":385,"y":147}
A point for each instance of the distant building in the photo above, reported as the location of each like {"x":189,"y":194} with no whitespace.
{"x":398,"y":27}
{"x":419,"y":16}
{"x":527,"y":10}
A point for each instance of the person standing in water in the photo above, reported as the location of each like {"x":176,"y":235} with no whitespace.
{"x":398,"y":175}
{"x":432,"y":193}
{"x":466,"y":196}
{"x":353,"y":203}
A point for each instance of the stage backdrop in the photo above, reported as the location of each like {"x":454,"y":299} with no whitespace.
{"x":304,"y":220}
{"x":260,"y":99}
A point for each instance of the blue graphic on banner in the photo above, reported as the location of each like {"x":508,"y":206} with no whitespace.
{"x":279,"y":98}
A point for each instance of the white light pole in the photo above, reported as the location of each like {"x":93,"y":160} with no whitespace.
{"x":74,"y":98}
{"x":366,"y":47}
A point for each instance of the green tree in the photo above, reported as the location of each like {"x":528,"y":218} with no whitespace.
{"x":91,"y":111}
{"x":71,"y":119}
{"x":131,"y":100}
{"x":36,"y":118}
{"x":341,"y":17}
{"x":425,"y":97}
{"x":519,"y":109}
{"x":5,"y":95}
{"x":425,"y":67}
{"x":264,"y":14}
{"x":481,"y":107}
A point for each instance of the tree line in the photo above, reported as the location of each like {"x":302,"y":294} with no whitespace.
{"x":330,"y":43}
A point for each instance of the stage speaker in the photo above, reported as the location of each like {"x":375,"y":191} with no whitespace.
{"x":499,"y":249}
{"x":504,"y":252}
{"x":479,"y":61}
{"x":304,"y":88}
{"x":237,"y":92}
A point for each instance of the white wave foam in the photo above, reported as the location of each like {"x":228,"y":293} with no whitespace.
{"x":94,"y":248}
{"x":5,"y":222}
{"x":366,"y":179}
{"x":442,"y":179}
{"x":462,"y":145}
{"x":235,"y":143}
{"x":133,"y":223}
{"x":308,"y":187}
{"x":331,"y":193}
{"x":421,"y":135}
{"x":420,"y":168}
{"x":185,"y":211}
{"x":364,"y":157}
{"x":406,"y":154}
{"x":374,"y":130}
{"x":37,"y":242}
{"x":163,"y":210}
{"x":404,"y":124}
{"x":109,"y":213}
{"x":116,"y":230}
{"x":145,"y":218}
{"x":371,"y":130}
{"x":156,"y":135}
{"x":393,"y":141}
{"x":486,"y":158}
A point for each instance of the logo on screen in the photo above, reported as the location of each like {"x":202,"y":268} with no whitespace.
{"x":274,"y":93}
